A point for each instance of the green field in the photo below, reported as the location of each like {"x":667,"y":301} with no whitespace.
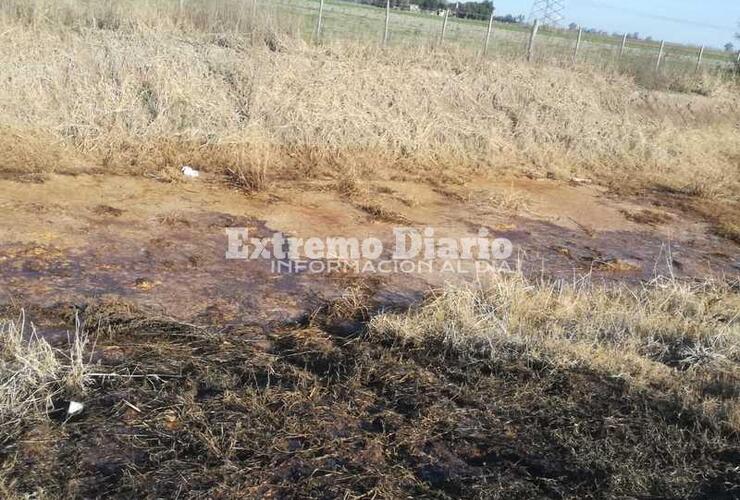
{"x":364,"y":23}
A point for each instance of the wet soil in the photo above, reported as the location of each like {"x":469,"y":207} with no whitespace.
{"x":71,"y":239}
{"x":234,"y":381}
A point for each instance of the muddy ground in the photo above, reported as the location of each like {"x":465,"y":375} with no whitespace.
{"x":217,"y":378}
{"x":162,"y":245}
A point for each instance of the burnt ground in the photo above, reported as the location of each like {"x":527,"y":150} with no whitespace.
{"x":301,"y":412}
{"x":218,"y":379}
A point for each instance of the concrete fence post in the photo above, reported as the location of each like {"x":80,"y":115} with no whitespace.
{"x":387,"y":21}
{"x":318,"y":21}
{"x":660,"y":55}
{"x":699,"y":58}
{"x":532,"y":36}
{"x":444,"y":27}
{"x":488,"y":33}
{"x":623,"y":46}
{"x":578,"y":45}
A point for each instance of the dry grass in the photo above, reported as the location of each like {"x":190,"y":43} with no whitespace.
{"x":683,"y":337}
{"x":728,"y":229}
{"x":519,"y":390}
{"x":507,"y":200}
{"x":32,"y":373}
{"x":249,"y":179}
{"x":140,"y":89}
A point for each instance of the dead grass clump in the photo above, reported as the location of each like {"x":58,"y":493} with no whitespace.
{"x":350,"y":186}
{"x":32,"y":374}
{"x":508,"y":200}
{"x":31,"y":154}
{"x":646,"y":216}
{"x":728,"y":229}
{"x":665,"y":333}
{"x":381,"y":213}
{"x":248,"y":179}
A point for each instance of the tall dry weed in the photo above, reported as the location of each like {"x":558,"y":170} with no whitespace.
{"x":113,"y":82}
{"x":682,"y":336}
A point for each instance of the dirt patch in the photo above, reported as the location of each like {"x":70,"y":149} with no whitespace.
{"x":646,"y":216}
{"x":163,"y":245}
{"x":254,"y":383}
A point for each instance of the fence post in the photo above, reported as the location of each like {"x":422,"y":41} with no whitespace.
{"x":488,"y":33}
{"x":444,"y":27}
{"x":532,"y":35}
{"x":318,"y":22}
{"x":660,"y":55}
{"x":578,"y":45}
{"x":387,"y":20}
{"x":698,"y":59}
{"x":623,"y":46}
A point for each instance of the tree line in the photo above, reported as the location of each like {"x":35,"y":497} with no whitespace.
{"x":464,"y":10}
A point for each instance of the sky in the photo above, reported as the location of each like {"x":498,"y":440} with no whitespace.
{"x":700,"y":22}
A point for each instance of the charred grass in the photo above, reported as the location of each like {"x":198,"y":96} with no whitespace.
{"x":440,"y":401}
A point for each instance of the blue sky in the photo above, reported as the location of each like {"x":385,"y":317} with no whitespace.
{"x":709,"y":22}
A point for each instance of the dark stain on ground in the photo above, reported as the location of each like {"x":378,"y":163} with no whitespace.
{"x":554,"y":251}
{"x":178,"y":267}
{"x":299,"y":412}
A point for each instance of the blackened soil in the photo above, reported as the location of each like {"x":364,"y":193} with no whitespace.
{"x":299,"y":412}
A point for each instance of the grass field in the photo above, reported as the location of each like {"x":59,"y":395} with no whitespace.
{"x":346,"y":20}
{"x":604,"y":363}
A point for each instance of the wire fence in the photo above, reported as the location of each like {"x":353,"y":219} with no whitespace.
{"x":332,"y":20}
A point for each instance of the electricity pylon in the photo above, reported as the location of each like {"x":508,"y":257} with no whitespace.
{"x":547,"y":12}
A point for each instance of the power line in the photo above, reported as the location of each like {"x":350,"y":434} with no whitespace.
{"x":657,"y":17}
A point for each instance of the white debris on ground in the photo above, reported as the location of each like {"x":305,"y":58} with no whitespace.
{"x":188,"y":171}
{"x":578,"y":180}
{"x":74,"y":408}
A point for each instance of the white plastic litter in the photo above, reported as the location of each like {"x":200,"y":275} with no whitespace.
{"x":188,"y":171}
{"x":74,"y":408}
{"x":579,"y":180}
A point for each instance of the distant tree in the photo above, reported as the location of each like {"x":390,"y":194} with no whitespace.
{"x":508,"y":18}
{"x":431,"y":4}
{"x":729,"y":47}
{"x":474,"y":10}
{"x":573,"y":26}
